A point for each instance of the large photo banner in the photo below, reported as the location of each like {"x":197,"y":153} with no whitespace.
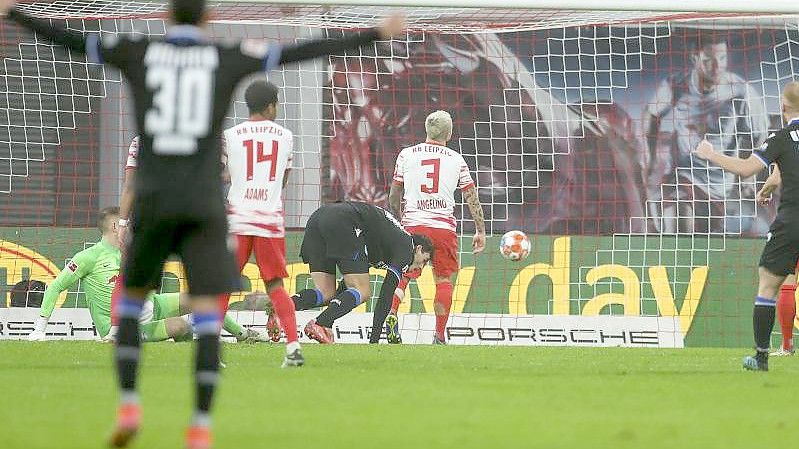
{"x":572,"y":131}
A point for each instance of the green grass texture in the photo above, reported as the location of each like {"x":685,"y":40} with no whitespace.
{"x":63,"y":395}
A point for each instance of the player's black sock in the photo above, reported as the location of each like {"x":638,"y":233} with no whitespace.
{"x":763,"y":322}
{"x":206,"y":326}
{"x":307,"y":299}
{"x":339,"y":306}
{"x":128,"y":342}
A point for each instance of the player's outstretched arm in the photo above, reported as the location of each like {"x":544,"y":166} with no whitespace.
{"x":65,"y":279}
{"x":72,"y":40}
{"x":383,"y":306}
{"x":741,"y":167}
{"x":391,"y":27}
{"x":472,"y":200}
{"x":126,"y":204}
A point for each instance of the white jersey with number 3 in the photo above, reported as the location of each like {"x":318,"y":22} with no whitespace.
{"x":257,"y":155}
{"x":430,"y":174}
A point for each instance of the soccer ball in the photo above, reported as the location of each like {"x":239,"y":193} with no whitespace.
{"x":514,"y":246}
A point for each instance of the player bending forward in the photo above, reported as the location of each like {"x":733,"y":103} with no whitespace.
{"x":781,"y":253}
{"x":426,"y":177}
{"x":352,"y":236}
{"x":258,"y":160}
{"x":98,"y":268}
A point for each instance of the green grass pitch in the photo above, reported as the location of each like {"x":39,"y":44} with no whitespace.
{"x":62,"y":395}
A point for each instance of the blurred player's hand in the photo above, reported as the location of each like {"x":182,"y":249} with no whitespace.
{"x":764,"y":194}
{"x":391,"y":27}
{"x":704,"y":150}
{"x":36,"y":336}
{"x":478,"y":243}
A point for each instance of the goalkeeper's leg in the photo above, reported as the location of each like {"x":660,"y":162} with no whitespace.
{"x":174,"y":305}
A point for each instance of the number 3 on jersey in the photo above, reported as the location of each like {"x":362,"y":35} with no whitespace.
{"x":256,"y":155}
{"x":181,"y":110}
{"x":433,"y":174}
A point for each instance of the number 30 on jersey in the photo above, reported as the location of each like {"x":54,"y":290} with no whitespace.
{"x":181,"y":110}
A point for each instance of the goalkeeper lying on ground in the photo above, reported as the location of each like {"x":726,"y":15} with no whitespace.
{"x":98,"y":267}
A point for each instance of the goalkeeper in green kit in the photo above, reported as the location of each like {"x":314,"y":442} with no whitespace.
{"x":97,"y":267}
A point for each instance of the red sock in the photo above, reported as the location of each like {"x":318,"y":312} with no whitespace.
{"x":284,"y":308}
{"x":395,"y":302}
{"x":223,"y":301}
{"x":786,"y":310}
{"x":115,"y":297}
{"x":442,"y":304}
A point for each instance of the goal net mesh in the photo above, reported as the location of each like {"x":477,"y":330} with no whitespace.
{"x":577,"y":126}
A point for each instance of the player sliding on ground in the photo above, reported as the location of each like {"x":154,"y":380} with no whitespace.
{"x":425,"y":178}
{"x":182,"y":85}
{"x":781,"y":253}
{"x":257,"y":155}
{"x":97,"y":267}
{"x":786,"y":303}
{"x":352,"y":236}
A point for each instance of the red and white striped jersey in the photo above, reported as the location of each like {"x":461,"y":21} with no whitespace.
{"x":430,"y":174}
{"x":133,"y":154}
{"x":257,"y":155}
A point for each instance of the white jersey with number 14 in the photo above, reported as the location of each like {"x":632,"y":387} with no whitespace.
{"x":257,"y":155}
{"x":430,"y":174}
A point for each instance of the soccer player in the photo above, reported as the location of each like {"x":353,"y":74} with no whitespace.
{"x":98,"y":269}
{"x":709,"y":102}
{"x":352,"y":236}
{"x":786,"y":302}
{"x":258,"y":161}
{"x":426,"y":177}
{"x":781,"y":253}
{"x":182,"y":86}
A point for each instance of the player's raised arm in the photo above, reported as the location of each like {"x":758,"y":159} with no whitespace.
{"x":114,"y":50}
{"x":391,"y":27}
{"x":72,"y":40}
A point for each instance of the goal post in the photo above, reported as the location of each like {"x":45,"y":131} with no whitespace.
{"x":575,"y":118}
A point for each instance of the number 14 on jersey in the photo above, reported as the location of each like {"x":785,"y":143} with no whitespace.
{"x":256,"y":154}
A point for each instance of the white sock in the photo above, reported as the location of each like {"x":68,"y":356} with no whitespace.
{"x":129,"y":397}
{"x":293,"y":346}
{"x":201,"y":419}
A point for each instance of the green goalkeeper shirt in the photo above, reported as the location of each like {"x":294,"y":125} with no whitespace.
{"x":98,"y":267}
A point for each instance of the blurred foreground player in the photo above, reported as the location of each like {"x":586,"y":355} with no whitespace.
{"x":182,"y":86}
{"x":781,"y":252}
{"x":352,"y":236}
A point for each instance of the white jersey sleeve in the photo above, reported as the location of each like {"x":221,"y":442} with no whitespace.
{"x":257,"y":153}
{"x":430,"y":175}
{"x":133,"y":154}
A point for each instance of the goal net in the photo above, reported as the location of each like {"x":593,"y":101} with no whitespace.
{"x":577,"y":126}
